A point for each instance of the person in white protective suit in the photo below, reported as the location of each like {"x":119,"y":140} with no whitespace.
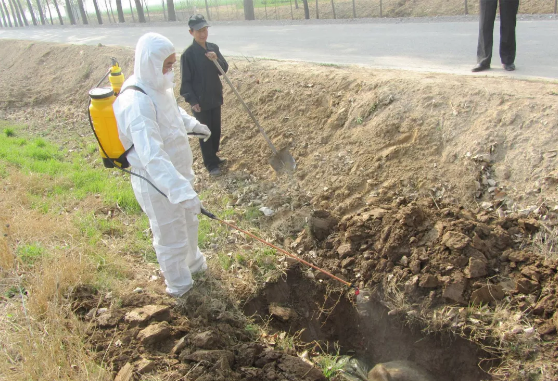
{"x":158,"y":128}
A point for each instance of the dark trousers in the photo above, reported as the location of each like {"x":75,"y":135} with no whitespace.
{"x":508,"y":13}
{"x":212,"y":119}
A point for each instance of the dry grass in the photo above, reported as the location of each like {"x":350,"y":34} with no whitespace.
{"x":502,"y":330}
{"x":545,"y":242}
{"x":41,"y":337}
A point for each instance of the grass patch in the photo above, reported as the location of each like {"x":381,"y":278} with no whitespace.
{"x":61,"y":238}
{"x":29,"y":254}
{"x":64,"y":175}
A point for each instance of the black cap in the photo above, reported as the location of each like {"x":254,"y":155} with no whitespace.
{"x":197,"y":22}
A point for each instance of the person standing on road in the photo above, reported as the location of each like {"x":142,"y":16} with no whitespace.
{"x":155,"y":127}
{"x":201,"y":87}
{"x":508,"y":16}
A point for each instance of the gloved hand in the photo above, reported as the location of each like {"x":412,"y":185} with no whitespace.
{"x":192,"y":205}
{"x":203,"y":130}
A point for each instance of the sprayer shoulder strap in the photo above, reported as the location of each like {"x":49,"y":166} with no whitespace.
{"x":136,"y":88}
{"x":133,"y":87}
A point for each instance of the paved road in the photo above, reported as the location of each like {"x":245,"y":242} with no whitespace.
{"x":447,"y":46}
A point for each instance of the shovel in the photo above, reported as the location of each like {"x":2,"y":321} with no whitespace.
{"x":281,"y":161}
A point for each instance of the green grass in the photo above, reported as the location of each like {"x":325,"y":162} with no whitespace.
{"x":331,"y":364}
{"x":9,"y":132}
{"x":64,"y":175}
{"x":30,"y":253}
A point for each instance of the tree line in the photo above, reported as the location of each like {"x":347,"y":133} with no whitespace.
{"x":13,"y":14}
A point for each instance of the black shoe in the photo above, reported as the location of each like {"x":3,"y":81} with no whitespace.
{"x":509,"y":67}
{"x":215,"y":172}
{"x":480,"y":67}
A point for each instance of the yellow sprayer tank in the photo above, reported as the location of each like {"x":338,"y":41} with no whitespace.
{"x":104,"y":123}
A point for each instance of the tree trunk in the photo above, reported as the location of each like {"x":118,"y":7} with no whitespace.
{"x":354,"y":8}
{"x":171,"y":11}
{"x":112,"y":12}
{"x":333,"y":9}
{"x":14,"y":14}
{"x":30,"y":7}
{"x":7,"y":14}
{"x":249,"y":10}
{"x":108,"y":11}
{"x":317,"y":10}
{"x":98,"y":12}
{"x":41,"y":14}
{"x":70,"y":12}
{"x":120,"y":11}
{"x":147,"y":10}
{"x":132,"y":11}
{"x":4,"y":20}
{"x":58,"y":11}
{"x":18,"y":2}
{"x":296,"y":4}
{"x":164,"y":10}
{"x":207,"y":10}
{"x":49,"y":12}
{"x":306,"y":9}
{"x":139,"y":9}
{"x":82,"y":12}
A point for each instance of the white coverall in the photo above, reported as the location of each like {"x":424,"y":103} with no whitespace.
{"x":157,"y":128}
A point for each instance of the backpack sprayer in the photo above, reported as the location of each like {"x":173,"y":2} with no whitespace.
{"x":103,"y":124}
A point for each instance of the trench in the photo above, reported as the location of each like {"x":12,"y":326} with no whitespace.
{"x":364,"y":329}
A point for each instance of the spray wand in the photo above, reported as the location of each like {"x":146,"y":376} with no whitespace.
{"x":348,"y":284}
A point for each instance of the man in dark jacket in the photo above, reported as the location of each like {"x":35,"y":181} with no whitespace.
{"x":508,"y":16}
{"x":202,"y":88}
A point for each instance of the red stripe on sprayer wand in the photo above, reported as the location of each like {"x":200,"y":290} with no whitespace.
{"x":348,"y":284}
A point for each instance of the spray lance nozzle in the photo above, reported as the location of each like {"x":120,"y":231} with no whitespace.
{"x":116,"y":77}
{"x":115,"y":68}
{"x":355,"y":287}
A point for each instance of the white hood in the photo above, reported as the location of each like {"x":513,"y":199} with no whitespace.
{"x":152,"y":50}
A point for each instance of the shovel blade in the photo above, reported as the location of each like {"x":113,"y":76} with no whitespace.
{"x":283,"y":161}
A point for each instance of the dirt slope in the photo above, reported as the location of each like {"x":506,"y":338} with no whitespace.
{"x":426,"y":184}
{"x":355,"y":133}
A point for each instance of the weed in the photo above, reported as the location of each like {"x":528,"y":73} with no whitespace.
{"x":252,"y":213}
{"x":9,"y":132}
{"x":15,"y":291}
{"x":29,"y":254}
{"x":288,"y":343}
{"x":328,"y":64}
{"x":545,"y":242}
{"x":359,"y":120}
{"x":330,"y":364}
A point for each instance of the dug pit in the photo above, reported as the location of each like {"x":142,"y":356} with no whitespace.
{"x":362,"y":327}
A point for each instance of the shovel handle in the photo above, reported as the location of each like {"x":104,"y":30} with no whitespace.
{"x":245,"y":106}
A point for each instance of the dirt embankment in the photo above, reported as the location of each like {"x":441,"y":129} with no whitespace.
{"x":355,"y":133}
{"x":427,"y":190}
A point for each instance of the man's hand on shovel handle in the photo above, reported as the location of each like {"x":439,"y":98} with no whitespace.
{"x":211,"y":55}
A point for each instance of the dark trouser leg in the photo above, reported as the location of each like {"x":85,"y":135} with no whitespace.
{"x":508,"y":13}
{"x":486,"y":30}
{"x":215,"y":128}
{"x":209,"y":149}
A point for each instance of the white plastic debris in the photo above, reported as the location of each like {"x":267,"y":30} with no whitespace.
{"x":266,"y":211}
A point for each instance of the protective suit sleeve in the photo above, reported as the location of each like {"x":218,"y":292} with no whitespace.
{"x":148,"y":145}
{"x":189,"y":121}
